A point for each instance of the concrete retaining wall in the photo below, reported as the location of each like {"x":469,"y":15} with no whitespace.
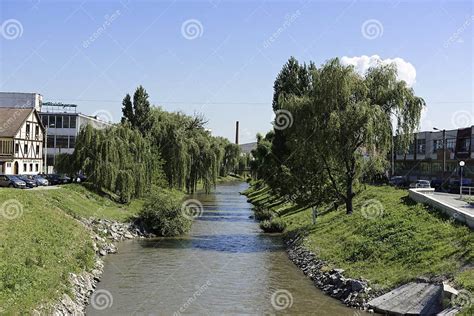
{"x":426,"y":196}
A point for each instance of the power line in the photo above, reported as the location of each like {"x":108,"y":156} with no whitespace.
{"x":222,"y":102}
{"x":166,"y":102}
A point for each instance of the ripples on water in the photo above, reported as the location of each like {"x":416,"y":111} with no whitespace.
{"x":226,"y":266}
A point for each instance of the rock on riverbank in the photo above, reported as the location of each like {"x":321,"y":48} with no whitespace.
{"x":352,"y":292}
{"x":103,"y":233}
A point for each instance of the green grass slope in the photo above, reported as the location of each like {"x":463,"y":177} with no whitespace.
{"x":396,"y":241}
{"x":40,"y":243}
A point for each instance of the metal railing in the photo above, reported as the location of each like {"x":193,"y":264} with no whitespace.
{"x":464,"y":189}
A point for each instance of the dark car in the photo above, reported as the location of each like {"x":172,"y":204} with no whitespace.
{"x":11,"y":182}
{"x":440,"y":185}
{"x":30,"y":183}
{"x":455,"y":186}
{"x":64,"y":179}
{"x":398,"y":181}
{"x":53,"y":179}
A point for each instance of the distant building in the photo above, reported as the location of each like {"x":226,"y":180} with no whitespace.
{"x":247,"y":148}
{"x":21,"y":100}
{"x":427,"y":158}
{"x":63,"y":124}
{"x":21,"y":141}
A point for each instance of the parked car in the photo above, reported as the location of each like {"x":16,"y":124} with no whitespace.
{"x":29,"y":182}
{"x":40,"y":181}
{"x":11,"y":182}
{"x":398,"y":181}
{"x":53,"y":179}
{"x":64,"y":179}
{"x":455,"y":185}
{"x":422,"y":184}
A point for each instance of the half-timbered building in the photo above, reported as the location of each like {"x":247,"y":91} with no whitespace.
{"x":21,"y":141}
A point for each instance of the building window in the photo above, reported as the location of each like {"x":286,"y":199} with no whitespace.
{"x":36,"y":167}
{"x":411,"y":148}
{"x":17,"y":148}
{"x":31,"y":167}
{"x":59,"y":121}
{"x":72,"y":141}
{"x":52,"y":121}
{"x":50,"y":141}
{"x":465,"y":145}
{"x":66,"y":121}
{"x":27,"y":129}
{"x":37,"y":149}
{"x":451,"y":143}
{"x":6,"y":147}
{"x":25,"y":148}
{"x":62,"y":141}
{"x":44,"y":119}
{"x":25,"y":169}
{"x":420,"y":146}
{"x":437,"y":144}
{"x":37,"y":130}
{"x":72,"y":124}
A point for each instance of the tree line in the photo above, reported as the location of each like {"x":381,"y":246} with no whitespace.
{"x":150,"y":147}
{"x":333,"y":130}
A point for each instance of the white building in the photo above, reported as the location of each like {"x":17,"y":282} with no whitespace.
{"x":21,"y":141}
{"x":63,"y":124}
{"x":21,"y":100}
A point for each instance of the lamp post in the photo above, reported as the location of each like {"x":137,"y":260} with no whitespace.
{"x":461,"y":164}
{"x":444,"y":148}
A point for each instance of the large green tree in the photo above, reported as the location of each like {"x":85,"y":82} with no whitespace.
{"x":343,"y":127}
{"x":138,"y":112}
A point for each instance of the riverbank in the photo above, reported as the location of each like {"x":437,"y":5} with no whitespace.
{"x":48,"y":251}
{"x":388,"y":241}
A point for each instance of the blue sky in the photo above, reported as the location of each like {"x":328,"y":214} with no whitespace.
{"x":93,"y":52}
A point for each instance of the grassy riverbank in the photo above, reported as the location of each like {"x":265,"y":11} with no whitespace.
{"x":41,"y":243}
{"x":396,"y":242}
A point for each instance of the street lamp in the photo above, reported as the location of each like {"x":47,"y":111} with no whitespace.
{"x":461,"y":164}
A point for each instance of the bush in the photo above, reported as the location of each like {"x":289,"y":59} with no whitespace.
{"x":262,"y":214}
{"x":162,"y":215}
{"x":275,"y":225}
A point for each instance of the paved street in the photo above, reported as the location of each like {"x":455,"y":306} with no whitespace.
{"x":454,"y":201}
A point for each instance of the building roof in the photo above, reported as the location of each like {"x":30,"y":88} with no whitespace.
{"x":247,"y":148}
{"x":11,"y":120}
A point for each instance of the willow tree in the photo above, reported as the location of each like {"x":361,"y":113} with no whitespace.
{"x":343,"y":127}
{"x":117,"y":159}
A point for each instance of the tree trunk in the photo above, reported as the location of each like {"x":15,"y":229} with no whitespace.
{"x":349,"y":197}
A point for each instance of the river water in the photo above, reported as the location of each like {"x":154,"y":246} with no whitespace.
{"x":226,"y":266}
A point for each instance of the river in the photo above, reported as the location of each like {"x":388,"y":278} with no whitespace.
{"x":226,"y":266}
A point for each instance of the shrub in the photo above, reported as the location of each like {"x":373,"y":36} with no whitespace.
{"x":162,"y":215}
{"x":275,"y":225}
{"x":262,"y":214}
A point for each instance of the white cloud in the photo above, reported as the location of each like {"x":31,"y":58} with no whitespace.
{"x":406,"y":71}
